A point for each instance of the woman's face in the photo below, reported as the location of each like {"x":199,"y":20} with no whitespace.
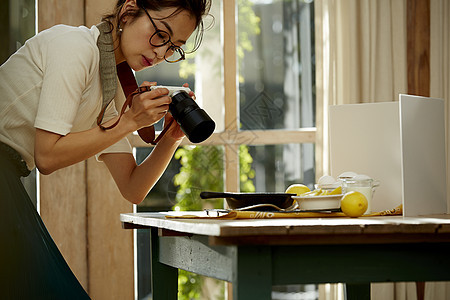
{"x":135,"y":45}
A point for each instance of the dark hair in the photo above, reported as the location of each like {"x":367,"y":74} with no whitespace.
{"x":196,"y":8}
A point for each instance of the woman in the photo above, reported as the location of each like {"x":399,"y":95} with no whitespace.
{"x":56,"y":110}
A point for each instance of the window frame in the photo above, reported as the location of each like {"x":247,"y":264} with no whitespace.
{"x":231,"y":137}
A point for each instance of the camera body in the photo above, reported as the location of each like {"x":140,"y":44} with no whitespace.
{"x":194,"y":121}
{"x":172,"y":89}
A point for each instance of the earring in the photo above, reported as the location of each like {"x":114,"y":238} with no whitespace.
{"x":121,"y":29}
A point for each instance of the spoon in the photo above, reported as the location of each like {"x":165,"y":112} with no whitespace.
{"x":292,"y":207}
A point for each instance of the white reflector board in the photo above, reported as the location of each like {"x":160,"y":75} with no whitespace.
{"x":401,"y":144}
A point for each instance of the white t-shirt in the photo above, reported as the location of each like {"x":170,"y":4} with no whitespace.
{"x":53,"y":83}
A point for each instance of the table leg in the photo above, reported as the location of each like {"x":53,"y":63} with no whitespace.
{"x":164,"y":278}
{"x":360,"y":291}
{"x":252,"y":273}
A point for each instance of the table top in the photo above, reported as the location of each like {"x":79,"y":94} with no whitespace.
{"x":431,"y":228}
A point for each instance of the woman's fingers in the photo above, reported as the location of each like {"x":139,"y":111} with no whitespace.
{"x":191,"y":93}
{"x":149,"y":107}
{"x":149,"y":83}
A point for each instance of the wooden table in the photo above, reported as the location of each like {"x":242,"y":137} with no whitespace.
{"x":255,"y":254}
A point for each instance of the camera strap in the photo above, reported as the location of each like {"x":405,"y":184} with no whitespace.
{"x":131,"y":89}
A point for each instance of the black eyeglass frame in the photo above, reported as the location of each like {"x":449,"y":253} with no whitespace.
{"x":172,"y":46}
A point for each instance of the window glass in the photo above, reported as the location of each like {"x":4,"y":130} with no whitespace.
{"x":17,"y":19}
{"x":192,"y":170}
{"x":277,"y":87}
{"x":276,"y":64}
{"x":278,"y":166}
{"x":17,"y":24}
{"x":202,"y":70}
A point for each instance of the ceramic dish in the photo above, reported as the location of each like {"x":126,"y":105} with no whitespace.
{"x":324,"y":202}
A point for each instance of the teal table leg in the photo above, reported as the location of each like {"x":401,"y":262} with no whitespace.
{"x":357,"y":291}
{"x":164,"y":278}
{"x":252,"y":273}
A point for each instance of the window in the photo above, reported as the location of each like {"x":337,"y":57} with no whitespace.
{"x":256,"y":80}
{"x":17,"y":25}
{"x":272,"y":108}
{"x":276,"y":88}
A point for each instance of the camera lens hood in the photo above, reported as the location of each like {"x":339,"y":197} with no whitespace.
{"x":194,"y":121}
{"x":197,"y":125}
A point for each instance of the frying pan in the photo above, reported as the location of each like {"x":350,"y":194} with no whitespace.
{"x":239,"y":200}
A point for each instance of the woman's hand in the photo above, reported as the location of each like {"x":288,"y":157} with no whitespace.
{"x":149,"y":107}
{"x":191,"y":93}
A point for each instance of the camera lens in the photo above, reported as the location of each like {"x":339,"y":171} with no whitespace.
{"x":194,"y":121}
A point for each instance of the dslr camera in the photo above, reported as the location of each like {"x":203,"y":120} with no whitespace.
{"x":194,"y":121}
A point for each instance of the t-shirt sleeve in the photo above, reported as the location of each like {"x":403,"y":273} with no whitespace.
{"x":68,"y":59}
{"x":122,"y":146}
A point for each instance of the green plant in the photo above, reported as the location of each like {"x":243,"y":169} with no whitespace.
{"x":202,"y":169}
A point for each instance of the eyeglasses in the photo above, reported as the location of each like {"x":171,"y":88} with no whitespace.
{"x":161,"y":38}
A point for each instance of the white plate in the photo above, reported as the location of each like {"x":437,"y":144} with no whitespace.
{"x":318,"y":202}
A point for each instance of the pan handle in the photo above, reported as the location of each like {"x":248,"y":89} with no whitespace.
{"x":212,"y":195}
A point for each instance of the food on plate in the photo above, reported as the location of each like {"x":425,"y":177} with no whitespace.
{"x":336,"y":191}
{"x":326,"y":180}
{"x":354,"y":204}
{"x":324,"y":192}
{"x":297,"y":189}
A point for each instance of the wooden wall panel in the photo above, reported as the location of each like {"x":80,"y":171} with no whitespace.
{"x":63,"y":210}
{"x":63,"y":193}
{"x":52,"y":12}
{"x":418,"y":42}
{"x":110,"y":254}
{"x":96,"y":9}
{"x":80,"y":205}
{"x":110,"y":246}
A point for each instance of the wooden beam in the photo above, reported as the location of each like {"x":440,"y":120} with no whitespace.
{"x":230,"y":94}
{"x":63,"y":210}
{"x":248,"y":137}
{"x":63,"y":193}
{"x":52,"y":12}
{"x":80,"y":205}
{"x":418,"y":42}
{"x":418,"y":60}
{"x":110,"y":251}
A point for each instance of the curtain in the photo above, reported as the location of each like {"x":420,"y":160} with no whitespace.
{"x":361,"y":57}
{"x":440,"y":66}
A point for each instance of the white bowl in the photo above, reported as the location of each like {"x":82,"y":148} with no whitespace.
{"x":325,"y":202}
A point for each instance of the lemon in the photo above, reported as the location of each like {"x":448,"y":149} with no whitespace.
{"x":297,"y":189}
{"x":354,"y":204}
{"x":336,"y":191}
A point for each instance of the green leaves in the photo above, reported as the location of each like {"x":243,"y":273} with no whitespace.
{"x":202,"y":169}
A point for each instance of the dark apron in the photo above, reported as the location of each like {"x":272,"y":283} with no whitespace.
{"x":31,"y":266}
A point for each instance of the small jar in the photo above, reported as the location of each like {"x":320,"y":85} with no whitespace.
{"x":364,"y":185}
